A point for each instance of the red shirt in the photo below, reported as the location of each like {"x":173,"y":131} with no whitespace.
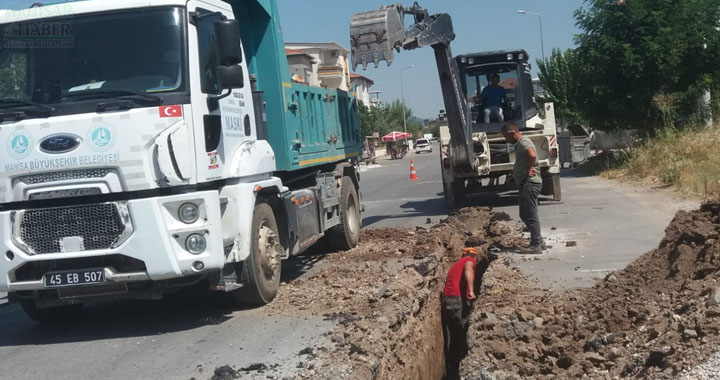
{"x":455,"y":284}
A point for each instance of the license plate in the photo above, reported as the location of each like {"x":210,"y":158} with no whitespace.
{"x":76,"y":277}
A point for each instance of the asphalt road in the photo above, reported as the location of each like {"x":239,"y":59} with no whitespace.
{"x":189,"y":335}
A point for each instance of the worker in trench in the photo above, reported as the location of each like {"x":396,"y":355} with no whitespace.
{"x":457,"y":300}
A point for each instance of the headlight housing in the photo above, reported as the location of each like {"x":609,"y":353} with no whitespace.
{"x":188,"y":213}
{"x":195,"y":244}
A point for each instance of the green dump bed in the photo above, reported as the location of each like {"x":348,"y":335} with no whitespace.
{"x":307,"y":126}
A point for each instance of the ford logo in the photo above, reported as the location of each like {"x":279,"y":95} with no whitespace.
{"x":59,"y":143}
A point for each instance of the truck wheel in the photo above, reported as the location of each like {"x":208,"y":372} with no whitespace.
{"x":346,"y":235}
{"x":557,"y":190}
{"x":50,"y":314}
{"x":261,"y":270}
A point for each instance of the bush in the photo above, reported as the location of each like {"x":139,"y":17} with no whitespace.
{"x":685,"y":159}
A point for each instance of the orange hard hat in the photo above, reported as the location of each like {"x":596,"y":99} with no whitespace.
{"x":470,"y":251}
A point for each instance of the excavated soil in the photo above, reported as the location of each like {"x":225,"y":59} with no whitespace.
{"x":651,"y":320}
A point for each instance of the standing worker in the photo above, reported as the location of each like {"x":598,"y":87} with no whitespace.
{"x":526,"y":174}
{"x":457,"y":301}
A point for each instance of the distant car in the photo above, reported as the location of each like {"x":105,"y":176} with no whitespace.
{"x":422,"y":145}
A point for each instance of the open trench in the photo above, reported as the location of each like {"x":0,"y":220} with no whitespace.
{"x":384,"y":297}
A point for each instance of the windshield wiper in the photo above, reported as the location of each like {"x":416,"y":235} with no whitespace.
{"x":12,"y":116}
{"x":22,"y":102}
{"x":117,"y":93}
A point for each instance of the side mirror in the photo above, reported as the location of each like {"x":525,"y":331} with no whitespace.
{"x":227,"y":33}
{"x":230,"y":77}
{"x":229,"y":50}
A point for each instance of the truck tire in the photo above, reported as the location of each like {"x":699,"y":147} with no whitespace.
{"x":346,"y":235}
{"x":260,"y":272}
{"x":57,"y":313}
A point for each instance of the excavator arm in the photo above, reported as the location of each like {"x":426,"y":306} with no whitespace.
{"x":375,"y":34}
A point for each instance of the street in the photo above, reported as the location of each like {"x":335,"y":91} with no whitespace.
{"x":189,"y":335}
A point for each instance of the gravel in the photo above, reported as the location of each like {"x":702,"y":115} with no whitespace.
{"x":709,"y":370}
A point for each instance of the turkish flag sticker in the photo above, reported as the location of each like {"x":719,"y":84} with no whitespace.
{"x":170,"y":111}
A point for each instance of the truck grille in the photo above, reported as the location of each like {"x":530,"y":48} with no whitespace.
{"x":100,"y":226}
{"x":63,"y":175}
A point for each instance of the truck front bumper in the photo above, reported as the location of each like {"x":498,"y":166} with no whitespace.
{"x":132,"y":241}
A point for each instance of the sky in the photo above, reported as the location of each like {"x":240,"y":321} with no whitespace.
{"x":480,"y":25}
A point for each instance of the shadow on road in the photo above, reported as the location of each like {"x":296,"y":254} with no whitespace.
{"x":427,"y":208}
{"x":183,"y":311}
{"x":306,"y":263}
{"x":504,"y":199}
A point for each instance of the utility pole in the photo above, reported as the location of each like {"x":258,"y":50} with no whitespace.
{"x":402,"y":93}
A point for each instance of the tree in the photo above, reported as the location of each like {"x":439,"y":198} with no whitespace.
{"x":645,"y":63}
{"x":386,"y":119}
{"x":560,"y":78}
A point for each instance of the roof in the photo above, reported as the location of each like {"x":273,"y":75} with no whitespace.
{"x":53,"y":8}
{"x":317,"y":45}
{"x":291,"y":52}
{"x":358,"y":76}
{"x":496,"y":56}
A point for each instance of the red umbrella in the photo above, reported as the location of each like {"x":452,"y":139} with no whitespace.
{"x":395,"y":136}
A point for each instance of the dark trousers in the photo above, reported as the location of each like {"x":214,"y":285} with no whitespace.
{"x":455,"y":320}
{"x":529,"y":193}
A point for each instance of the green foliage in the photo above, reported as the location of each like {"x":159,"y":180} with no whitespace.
{"x":12,"y":77}
{"x":645,"y":63}
{"x":386,"y":119}
{"x":560,"y":78}
{"x":685,"y":159}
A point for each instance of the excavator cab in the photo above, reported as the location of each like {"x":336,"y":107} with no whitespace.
{"x":514,"y":87}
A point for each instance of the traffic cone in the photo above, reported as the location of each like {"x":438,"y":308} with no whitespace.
{"x":413,"y":175}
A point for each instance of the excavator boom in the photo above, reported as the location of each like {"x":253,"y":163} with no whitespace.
{"x":375,"y":34}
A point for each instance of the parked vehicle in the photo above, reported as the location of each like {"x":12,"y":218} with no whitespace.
{"x":180,"y":153}
{"x":475,"y":156}
{"x":423,"y":145}
{"x":574,"y":141}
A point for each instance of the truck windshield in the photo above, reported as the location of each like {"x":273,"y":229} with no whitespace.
{"x":482,"y":95}
{"x":61,"y":60}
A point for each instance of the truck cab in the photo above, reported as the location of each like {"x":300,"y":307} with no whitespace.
{"x":151,"y":145}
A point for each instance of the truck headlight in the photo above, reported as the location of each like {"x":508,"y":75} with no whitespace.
{"x":195,"y":244}
{"x":188,"y":213}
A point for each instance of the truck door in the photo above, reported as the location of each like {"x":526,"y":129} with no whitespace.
{"x":221,"y":126}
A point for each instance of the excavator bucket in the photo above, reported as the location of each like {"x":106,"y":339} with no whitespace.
{"x":374,"y":35}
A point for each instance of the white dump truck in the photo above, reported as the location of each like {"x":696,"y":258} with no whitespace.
{"x":156,"y":144}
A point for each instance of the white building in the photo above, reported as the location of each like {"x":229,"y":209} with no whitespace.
{"x":329,"y":67}
{"x":362,"y":87}
{"x":301,"y":64}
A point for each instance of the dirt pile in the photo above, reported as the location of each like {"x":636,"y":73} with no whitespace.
{"x":651,"y":320}
{"x":384,"y":297}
